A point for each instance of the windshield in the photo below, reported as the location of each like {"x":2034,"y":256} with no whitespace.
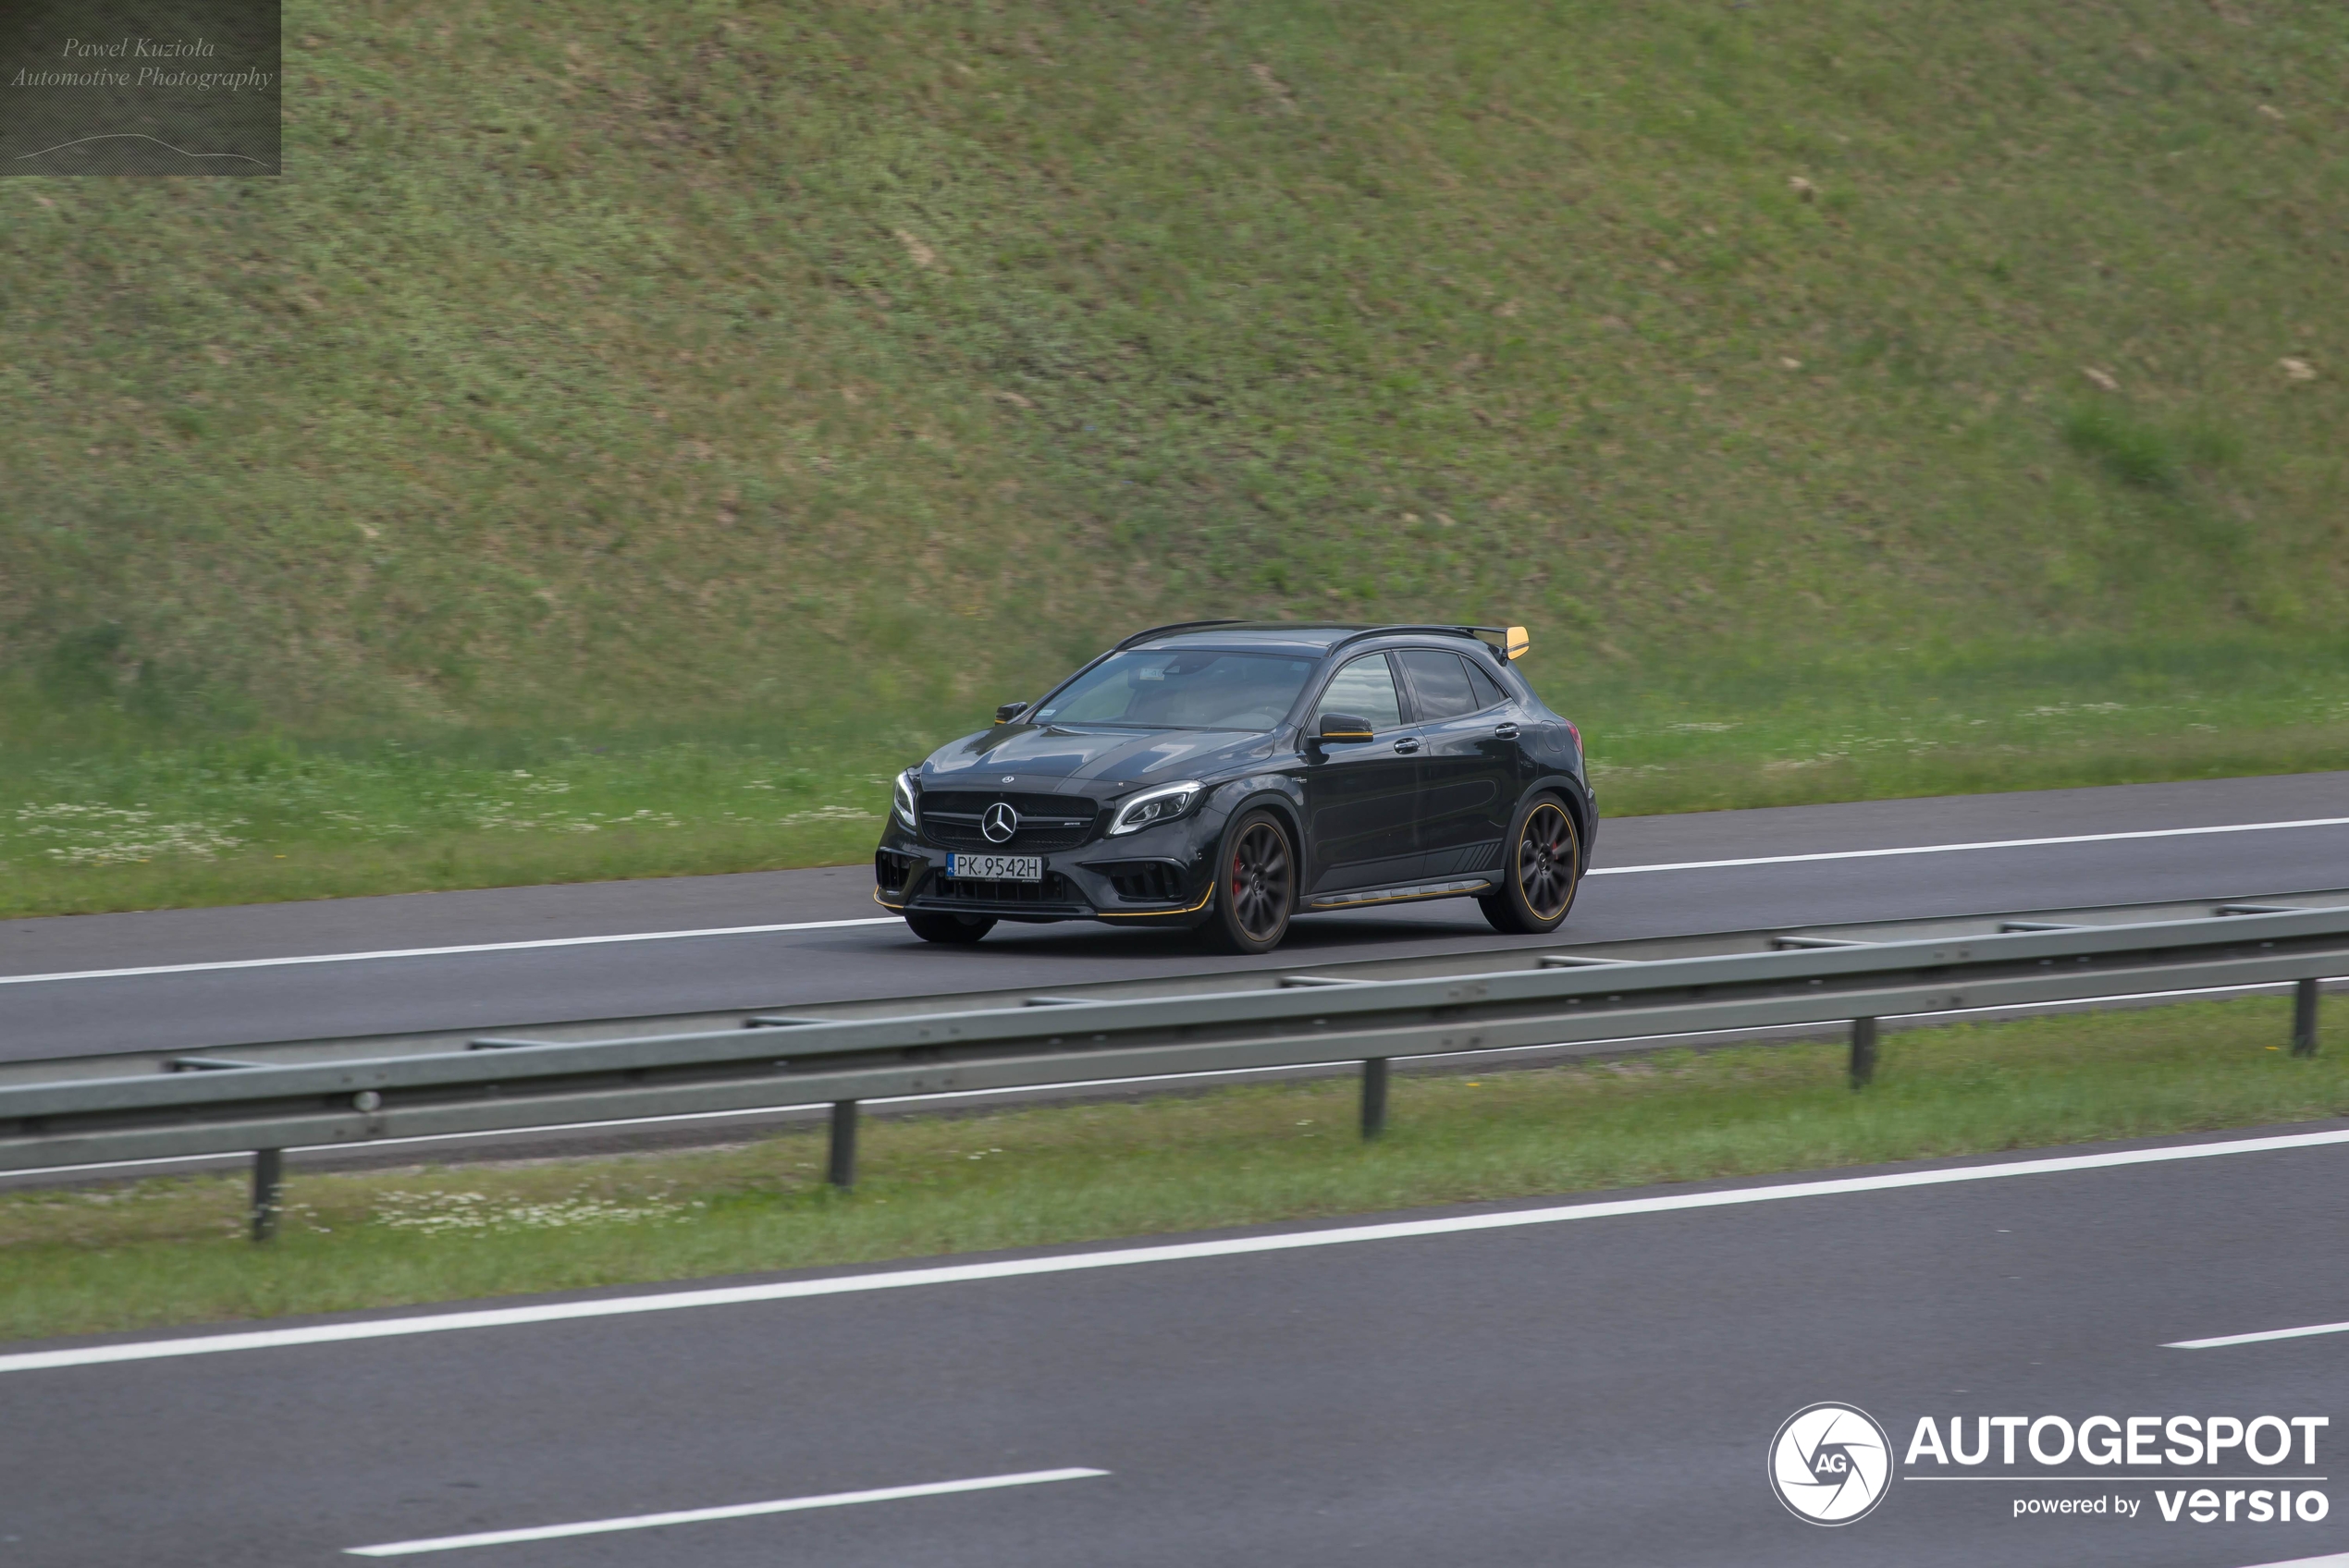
{"x":1190,"y":689}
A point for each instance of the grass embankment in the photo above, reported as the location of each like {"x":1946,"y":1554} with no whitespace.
{"x":608,"y":372}
{"x":171,"y":1251}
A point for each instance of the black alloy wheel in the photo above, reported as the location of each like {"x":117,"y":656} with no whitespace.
{"x":937,"y":926}
{"x":1543,"y":868}
{"x":1256,"y":886}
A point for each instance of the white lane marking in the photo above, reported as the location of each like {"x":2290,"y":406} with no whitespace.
{"x":735,"y":1511}
{"x":443,"y":952}
{"x":2337,"y":1560}
{"x":892,"y":920}
{"x":1118,"y":1257}
{"x":2261,"y":1338}
{"x":1953,"y":849}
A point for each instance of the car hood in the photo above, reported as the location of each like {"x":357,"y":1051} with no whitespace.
{"x":1103,"y":761}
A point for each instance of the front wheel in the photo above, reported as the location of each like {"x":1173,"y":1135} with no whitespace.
{"x":1256,"y":886}
{"x":1540,"y":872}
{"x":960,"y":930}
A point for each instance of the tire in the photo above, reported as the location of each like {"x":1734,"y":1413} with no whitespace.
{"x":1255,"y":885}
{"x":1540,"y":871}
{"x":956,"y":930}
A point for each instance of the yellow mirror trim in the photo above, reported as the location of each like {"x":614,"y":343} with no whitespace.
{"x":1519,"y":643}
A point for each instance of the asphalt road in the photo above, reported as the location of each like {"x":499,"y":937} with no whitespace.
{"x":1625,"y":897}
{"x":1599,"y":1389}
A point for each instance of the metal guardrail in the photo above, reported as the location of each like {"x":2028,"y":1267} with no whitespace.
{"x":507,"y":1083}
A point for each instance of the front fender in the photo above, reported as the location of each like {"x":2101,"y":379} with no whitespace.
{"x":1279,"y":791}
{"x":1282,"y":793}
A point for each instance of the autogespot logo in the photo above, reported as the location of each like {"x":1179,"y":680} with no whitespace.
{"x":1830,"y":1463}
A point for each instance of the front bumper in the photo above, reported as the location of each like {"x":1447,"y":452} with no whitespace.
{"x":1159,"y":876}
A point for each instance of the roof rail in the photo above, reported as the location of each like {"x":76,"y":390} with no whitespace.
{"x":1179,"y":625}
{"x":1511,"y":640}
{"x":1512,"y":637}
{"x":1370,"y":631}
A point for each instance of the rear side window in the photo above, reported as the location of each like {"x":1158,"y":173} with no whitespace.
{"x":1365,"y":689}
{"x":1488,"y":690}
{"x":1440,"y":681}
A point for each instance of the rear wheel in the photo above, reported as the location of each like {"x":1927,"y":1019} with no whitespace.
{"x":1540,"y":872}
{"x":1256,"y":886}
{"x":932,"y":925}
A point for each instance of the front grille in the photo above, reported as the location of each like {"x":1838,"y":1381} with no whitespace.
{"x":1046,"y":822}
{"x":1143,"y":881}
{"x":1054,"y":890}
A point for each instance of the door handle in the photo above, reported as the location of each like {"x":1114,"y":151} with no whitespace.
{"x":1506,"y":732}
{"x":1408,"y":743}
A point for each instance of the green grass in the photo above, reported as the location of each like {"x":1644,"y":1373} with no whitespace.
{"x":652,"y":377}
{"x":139,"y":824}
{"x":234,"y":821}
{"x":165,"y":1252}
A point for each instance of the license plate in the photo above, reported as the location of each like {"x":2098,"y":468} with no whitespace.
{"x":997,"y":868}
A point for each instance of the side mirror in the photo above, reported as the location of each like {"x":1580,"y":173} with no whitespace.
{"x":1343,"y":726}
{"x":1009,"y":712}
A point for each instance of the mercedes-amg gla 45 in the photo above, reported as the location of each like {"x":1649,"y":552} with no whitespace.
{"x":1227,"y":775}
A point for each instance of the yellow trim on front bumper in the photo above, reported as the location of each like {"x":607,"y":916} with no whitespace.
{"x":1147,"y":913}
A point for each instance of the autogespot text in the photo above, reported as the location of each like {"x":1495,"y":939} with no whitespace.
{"x":2185,"y":1456}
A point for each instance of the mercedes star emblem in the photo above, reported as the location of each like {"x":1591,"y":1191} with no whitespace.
{"x":1000,"y":823}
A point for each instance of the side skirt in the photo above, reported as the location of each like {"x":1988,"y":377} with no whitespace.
{"x":1357,"y":899}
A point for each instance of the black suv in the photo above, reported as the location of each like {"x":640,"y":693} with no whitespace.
{"x":1225,"y":775}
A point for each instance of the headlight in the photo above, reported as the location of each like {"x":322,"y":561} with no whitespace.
{"x":1153,"y":806}
{"x":905,"y":799}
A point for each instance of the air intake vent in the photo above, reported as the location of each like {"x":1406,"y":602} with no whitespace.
{"x":1054,"y":890}
{"x":1144,"y":881}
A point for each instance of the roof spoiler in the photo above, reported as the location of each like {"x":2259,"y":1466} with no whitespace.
{"x":1514,"y":643}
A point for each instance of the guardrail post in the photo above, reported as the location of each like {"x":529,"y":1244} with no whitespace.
{"x":268,"y":1183}
{"x":1863,"y":1052}
{"x":1374,"y":1097}
{"x":840,"y":1165}
{"x":2304,"y":1018}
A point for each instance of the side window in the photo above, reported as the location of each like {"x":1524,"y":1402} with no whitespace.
{"x":1488,"y":690}
{"x":1366,"y":689}
{"x":1440,"y":682}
